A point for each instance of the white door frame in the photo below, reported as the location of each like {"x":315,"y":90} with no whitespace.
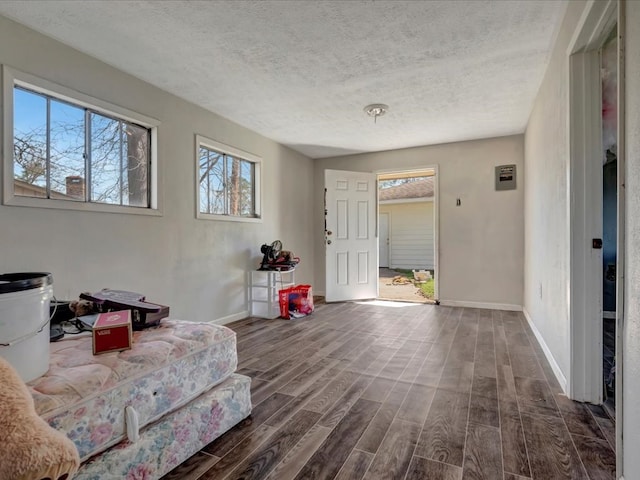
{"x":584,"y":381}
{"x":436,"y":218}
{"x":387,"y":261}
{"x":585,"y":203}
{"x":621,"y":243}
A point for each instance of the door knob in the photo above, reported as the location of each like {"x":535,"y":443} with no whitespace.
{"x":329,"y":232}
{"x":328,"y":242}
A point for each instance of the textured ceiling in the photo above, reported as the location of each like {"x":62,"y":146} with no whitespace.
{"x":300,"y":72}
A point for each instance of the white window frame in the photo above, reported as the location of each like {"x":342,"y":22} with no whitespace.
{"x":12,"y":78}
{"x":202,"y":141}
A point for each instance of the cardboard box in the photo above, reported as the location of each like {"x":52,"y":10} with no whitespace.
{"x":112,"y":332}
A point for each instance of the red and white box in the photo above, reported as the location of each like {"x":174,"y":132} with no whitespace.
{"x":112,"y":332}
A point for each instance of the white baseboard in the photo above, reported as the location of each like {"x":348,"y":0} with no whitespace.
{"x":547,"y":353}
{"x":611,"y":315}
{"x":491,"y":306}
{"x":231,"y":318}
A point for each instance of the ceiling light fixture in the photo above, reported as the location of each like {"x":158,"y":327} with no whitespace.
{"x":375,"y":110}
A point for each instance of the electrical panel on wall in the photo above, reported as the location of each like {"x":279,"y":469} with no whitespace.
{"x":506,"y":177}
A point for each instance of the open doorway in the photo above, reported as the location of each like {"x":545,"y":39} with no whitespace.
{"x":609,"y":80}
{"x":407,"y":223}
{"x":597,"y":211}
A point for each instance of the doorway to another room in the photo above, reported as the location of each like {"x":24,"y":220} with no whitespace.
{"x":609,"y":79}
{"x":407,"y":236}
{"x":596,"y":301}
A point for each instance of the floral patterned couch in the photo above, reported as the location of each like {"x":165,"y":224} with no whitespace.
{"x":139,"y":413}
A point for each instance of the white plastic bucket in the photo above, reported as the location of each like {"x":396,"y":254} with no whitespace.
{"x":24,"y":322}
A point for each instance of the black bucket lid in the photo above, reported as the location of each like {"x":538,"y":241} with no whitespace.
{"x":17,"y":282}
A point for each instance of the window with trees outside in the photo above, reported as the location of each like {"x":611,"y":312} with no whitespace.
{"x":228,"y":182}
{"x":69,"y":150}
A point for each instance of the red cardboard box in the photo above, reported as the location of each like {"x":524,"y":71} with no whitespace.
{"x":112,"y":332}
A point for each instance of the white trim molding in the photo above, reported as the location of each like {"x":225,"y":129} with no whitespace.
{"x":230,"y":318}
{"x":406,"y":200}
{"x":485,"y":305}
{"x":547,"y":353}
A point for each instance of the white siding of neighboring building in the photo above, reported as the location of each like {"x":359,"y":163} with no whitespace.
{"x":411,"y":239}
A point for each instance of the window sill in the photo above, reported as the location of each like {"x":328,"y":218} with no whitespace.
{"x":228,"y":218}
{"x":33,"y":202}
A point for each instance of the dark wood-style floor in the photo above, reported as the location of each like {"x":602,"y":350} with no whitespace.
{"x":404,"y":392}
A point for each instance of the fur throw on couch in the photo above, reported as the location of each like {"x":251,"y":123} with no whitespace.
{"x":30,"y":449}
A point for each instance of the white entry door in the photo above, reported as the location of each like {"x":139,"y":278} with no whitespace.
{"x":351,"y":243}
{"x":383,"y":240}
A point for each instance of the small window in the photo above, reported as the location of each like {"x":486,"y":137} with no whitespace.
{"x":228,"y":182}
{"x":66,"y":149}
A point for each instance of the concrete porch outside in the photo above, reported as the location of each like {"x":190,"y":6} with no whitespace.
{"x":399,"y":292}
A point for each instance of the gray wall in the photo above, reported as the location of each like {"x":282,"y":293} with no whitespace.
{"x":546,"y":207}
{"x":198,"y":267}
{"x":481,"y":241}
